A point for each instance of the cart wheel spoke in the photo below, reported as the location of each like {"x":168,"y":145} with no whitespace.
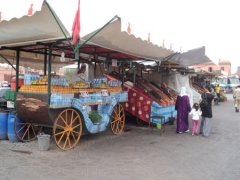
{"x":69,"y":142}
{"x":60,"y":137}
{"x":59,"y":126}
{"x":60,"y":133}
{"x":76,"y":126}
{"x":64,"y":120}
{"x":18,"y":131}
{"x":114,"y":121}
{"x":74,"y":120}
{"x":73,"y":136}
{"x":75,"y":132}
{"x":115,"y":112}
{"x":71,"y":119}
{"x":34,"y":133}
{"x":26,"y":131}
{"x":65,"y":143}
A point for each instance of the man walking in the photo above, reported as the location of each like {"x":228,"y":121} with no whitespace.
{"x":236,"y":96}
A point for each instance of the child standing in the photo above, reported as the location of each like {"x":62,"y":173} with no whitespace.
{"x":195,"y":113}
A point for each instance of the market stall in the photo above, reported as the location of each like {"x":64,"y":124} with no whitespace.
{"x":69,"y":108}
{"x":146,"y":99}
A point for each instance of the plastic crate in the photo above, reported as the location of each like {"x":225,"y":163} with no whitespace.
{"x":10,"y":95}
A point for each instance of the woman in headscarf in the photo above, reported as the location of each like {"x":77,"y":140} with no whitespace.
{"x":183,"y":108}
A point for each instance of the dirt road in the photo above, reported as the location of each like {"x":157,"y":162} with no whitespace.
{"x":137,"y":154}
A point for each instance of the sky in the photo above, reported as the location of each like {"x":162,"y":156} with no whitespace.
{"x":185,"y":24}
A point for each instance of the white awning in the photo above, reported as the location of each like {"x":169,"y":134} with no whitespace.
{"x":112,"y":38}
{"x":27,"y":30}
{"x":191,"y":57}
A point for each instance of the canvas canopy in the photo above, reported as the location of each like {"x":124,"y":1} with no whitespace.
{"x":111,"y":37}
{"x":191,"y":57}
{"x":40,"y":27}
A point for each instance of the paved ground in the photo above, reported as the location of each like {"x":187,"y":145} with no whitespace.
{"x":137,"y":154}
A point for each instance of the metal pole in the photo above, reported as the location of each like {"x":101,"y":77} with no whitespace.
{"x":123,"y":73}
{"x":97,"y":31}
{"x":54,"y":15}
{"x":8,"y":61}
{"x":77,"y":55}
{"x":17,"y":69}
{"x":95,"y":69}
{"x":49,"y":72}
{"x":134,"y":75}
{"x":45,"y":62}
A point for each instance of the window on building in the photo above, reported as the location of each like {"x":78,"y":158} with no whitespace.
{"x":210,"y":69}
{"x":222,"y":68}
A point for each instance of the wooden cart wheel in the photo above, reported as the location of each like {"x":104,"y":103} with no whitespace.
{"x":26,"y":131}
{"x":118,"y":119}
{"x":67,"y":129}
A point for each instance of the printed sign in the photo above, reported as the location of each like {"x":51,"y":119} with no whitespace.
{"x":114,"y":63}
{"x":104,"y":93}
{"x":84,"y":93}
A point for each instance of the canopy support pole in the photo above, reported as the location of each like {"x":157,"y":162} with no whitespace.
{"x":49,"y":72}
{"x":17,"y":69}
{"x":97,"y":31}
{"x":77,"y":56}
{"x":95,"y":69}
{"x":8,"y":61}
{"x":123,"y":71}
{"x":45,"y":62}
{"x":52,"y":12}
{"x":134,"y":75}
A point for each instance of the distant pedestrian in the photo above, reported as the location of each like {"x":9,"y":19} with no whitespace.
{"x":206,"y":109}
{"x":196,"y":114}
{"x":236,"y":96}
{"x":217,"y":90}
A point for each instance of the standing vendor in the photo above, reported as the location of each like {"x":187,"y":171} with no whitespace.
{"x":81,"y":73}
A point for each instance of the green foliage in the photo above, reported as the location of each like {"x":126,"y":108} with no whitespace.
{"x":95,"y":117}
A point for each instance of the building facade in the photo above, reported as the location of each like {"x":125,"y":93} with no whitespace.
{"x":223,"y":66}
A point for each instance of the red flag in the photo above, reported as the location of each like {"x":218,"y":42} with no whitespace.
{"x":30,"y":10}
{"x":149,"y":37}
{"x":129,"y":29}
{"x":76,"y":25}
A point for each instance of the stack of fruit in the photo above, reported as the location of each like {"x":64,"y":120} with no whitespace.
{"x":41,"y":81}
{"x":80,"y":84}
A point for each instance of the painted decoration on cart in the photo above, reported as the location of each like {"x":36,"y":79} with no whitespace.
{"x":138,"y":103}
{"x":104,"y":110}
{"x":105,"y":105}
